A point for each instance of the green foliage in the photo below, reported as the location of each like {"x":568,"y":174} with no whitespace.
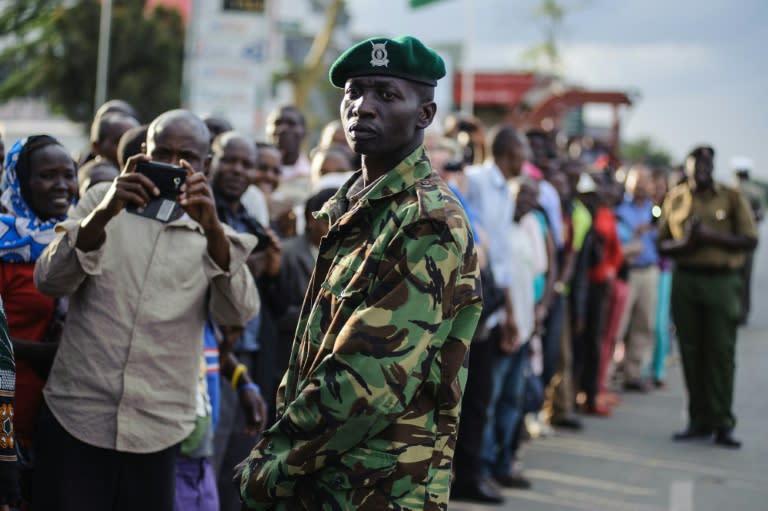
{"x":54,"y":49}
{"x":645,"y":150}
{"x":420,"y":3}
{"x":550,"y":15}
{"x":545,"y":56}
{"x":25,"y":24}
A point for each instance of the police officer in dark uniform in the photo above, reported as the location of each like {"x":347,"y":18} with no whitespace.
{"x":708,"y":229}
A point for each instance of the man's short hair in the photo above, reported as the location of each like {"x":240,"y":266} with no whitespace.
{"x":117,"y":106}
{"x":502,"y":137}
{"x":222,"y":139}
{"x":86,"y":172}
{"x":288,"y":108}
{"x":100,"y":124}
{"x":131,"y":143}
{"x":183,"y":116}
{"x":217,"y":125}
{"x":315,"y":203}
{"x":425,"y":93}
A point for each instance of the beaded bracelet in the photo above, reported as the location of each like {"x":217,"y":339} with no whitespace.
{"x":237,"y":373}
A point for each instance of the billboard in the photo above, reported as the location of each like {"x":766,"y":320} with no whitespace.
{"x":227,"y":64}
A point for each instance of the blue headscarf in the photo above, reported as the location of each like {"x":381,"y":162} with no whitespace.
{"x":23,"y":236}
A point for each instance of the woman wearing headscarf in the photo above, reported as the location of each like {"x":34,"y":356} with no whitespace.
{"x":39,"y":185}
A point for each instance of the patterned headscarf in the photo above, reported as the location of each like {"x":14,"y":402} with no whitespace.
{"x":23,"y":236}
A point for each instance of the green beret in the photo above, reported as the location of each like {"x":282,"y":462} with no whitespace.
{"x":402,"y":57}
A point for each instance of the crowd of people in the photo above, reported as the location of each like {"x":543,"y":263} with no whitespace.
{"x":582,"y":312}
{"x":575,"y":250}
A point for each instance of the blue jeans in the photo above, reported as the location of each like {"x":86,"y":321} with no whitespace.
{"x":658,"y":363}
{"x":504,"y":411}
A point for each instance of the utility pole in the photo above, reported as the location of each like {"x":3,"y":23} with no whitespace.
{"x":102,"y":64}
{"x":467,"y":73}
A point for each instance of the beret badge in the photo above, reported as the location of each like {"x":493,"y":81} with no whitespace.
{"x":379,"y":54}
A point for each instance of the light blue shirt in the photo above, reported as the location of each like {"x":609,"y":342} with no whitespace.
{"x":550,"y":201}
{"x":467,"y":209}
{"x":630,"y":216}
{"x":488,"y":195}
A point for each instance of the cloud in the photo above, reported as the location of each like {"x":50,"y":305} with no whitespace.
{"x":698,"y":65}
{"x":638,"y":64}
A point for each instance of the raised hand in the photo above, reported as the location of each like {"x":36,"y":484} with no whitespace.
{"x":197,"y":200}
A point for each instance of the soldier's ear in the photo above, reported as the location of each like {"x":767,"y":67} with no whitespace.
{"x":426,"y":114}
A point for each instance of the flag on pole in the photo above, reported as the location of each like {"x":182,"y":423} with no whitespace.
{"x":421,"y":3}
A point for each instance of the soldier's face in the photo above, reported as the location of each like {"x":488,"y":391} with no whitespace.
{"x":382,"y":114}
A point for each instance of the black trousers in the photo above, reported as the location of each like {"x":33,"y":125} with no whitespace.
{"x":231,"y":444}
{"x":746,"y":290}
{"x":474,"y":408}
{"x":73,"y":476}
{"x":593,"y":334}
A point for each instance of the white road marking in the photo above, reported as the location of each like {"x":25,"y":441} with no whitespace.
{"x":681,"y":496}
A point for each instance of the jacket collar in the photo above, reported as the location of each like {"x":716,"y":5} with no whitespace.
{"x":716,"y":189}
{"x":403,"y":176}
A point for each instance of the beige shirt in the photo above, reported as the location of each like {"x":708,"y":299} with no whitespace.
{"x":125,"y":374}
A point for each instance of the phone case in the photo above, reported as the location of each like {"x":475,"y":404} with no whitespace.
{"x":168,"y":179}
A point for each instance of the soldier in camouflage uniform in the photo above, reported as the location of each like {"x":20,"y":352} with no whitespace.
{"x":368,"y":410}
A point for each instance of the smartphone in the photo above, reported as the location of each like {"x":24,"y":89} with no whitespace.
{"x":168,"y":179}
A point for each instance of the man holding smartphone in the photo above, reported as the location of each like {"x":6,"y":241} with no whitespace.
{"x":121,"y":393}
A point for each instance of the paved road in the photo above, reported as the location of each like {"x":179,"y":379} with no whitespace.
{"x":628,"y":462}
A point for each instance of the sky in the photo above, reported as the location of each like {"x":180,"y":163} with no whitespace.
{"x":699,"y":66}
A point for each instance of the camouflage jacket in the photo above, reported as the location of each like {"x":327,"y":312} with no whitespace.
{"x":368,"y":410}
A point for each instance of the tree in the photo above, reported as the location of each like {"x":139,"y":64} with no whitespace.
{"x":53,"y":52}
{"x":26,"y":26}
{"x":304,"y":76}
{"x":645,"y":150}
{"x":550,"y":15}
{"x":546,"y":55}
